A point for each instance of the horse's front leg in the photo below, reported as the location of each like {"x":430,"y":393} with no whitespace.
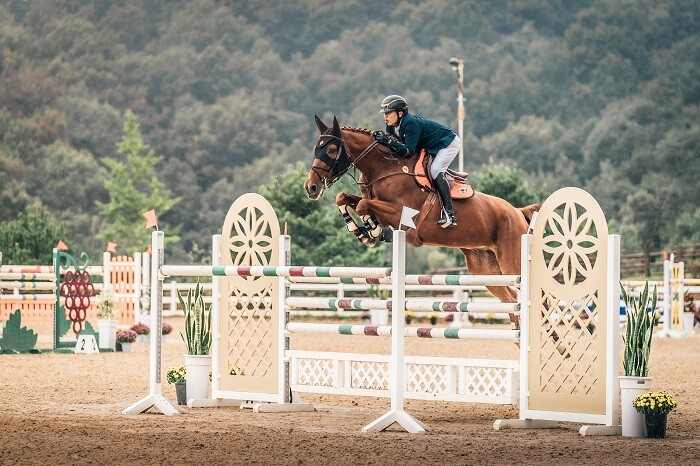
{"x":367,"y":233}
{"x":378,"y":214}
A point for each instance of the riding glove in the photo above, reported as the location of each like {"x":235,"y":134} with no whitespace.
{"x":400,"y":149}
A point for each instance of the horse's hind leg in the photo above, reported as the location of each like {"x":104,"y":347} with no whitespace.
{"x":483,"y":262}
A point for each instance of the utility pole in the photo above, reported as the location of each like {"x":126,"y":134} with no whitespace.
{"x":458,"y":66}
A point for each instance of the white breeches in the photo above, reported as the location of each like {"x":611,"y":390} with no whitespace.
{"x":444,"y":157}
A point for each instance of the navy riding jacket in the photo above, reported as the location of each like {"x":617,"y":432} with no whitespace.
{"x":415,"y":131}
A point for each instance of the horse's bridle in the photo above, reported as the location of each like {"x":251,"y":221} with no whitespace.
{"x":340,"y":164}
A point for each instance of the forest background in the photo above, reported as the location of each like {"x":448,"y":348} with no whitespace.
{"x":109,"y":109}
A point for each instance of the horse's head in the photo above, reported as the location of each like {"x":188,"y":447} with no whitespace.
{"x":331,"y":160}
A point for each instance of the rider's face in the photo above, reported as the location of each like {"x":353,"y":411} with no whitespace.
{"x":391,"y":118}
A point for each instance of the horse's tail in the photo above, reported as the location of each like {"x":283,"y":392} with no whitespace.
{"x":529,"y":211}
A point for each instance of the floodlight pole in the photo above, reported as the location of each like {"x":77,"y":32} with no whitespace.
{"x":458,"y":66}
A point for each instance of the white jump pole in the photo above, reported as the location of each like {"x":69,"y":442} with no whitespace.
{"x":397,"y":367}
{"x":155,"y":398}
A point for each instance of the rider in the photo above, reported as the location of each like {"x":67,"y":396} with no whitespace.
{"x":414,"y":132}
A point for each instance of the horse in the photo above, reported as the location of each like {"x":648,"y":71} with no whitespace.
{"x":489,"y":228}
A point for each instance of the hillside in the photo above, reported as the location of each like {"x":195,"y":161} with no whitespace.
{"x":597,"y":94}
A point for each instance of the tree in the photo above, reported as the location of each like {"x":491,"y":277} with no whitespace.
{"x":649,"y":210}
{"x":30,"y":238}
{"x":319,"y":235}
{"x":505,"y":182}
{"x":133,"y":189}
{"x":531,"y":142}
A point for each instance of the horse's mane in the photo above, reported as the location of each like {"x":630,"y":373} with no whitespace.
{"x":368,"y":132}
{"x":357,"y":129}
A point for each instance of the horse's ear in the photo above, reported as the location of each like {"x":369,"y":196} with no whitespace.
{"x":321,"y":125}
{"x":336,"y":126}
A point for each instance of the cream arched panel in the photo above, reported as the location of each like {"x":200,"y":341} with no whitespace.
{"x":248,"y":343}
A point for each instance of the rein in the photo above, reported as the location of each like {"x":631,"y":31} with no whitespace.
{"x":404,"y":171}
{"x":342,"y":154}
{"x":328,"y":182}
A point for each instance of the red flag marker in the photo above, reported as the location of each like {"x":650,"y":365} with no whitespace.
{"x":112,"y":247}
{"x":61,"y":246}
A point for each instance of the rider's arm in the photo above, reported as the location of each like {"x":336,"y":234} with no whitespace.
{"x":410,"y":137}
{"x":408,"y":148}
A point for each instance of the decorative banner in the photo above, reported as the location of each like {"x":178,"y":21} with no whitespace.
{"x":151,"y":219}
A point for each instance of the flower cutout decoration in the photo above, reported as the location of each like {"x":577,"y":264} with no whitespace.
{"x":251,"y":242}
{"x":571,"y":243}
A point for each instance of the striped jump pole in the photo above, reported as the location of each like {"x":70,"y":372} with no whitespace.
{"x":444,"y":280}
{"x":23,"y":269}
{"x":411,"y":305}
{"x":272,"y":271}
{"x":417,"y":332}
{"x":23,"y":276}
{"x":28,"y":285}
{"x":464,"y":280}
{"x":27,"y":297}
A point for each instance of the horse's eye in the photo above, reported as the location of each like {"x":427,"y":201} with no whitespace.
{"x":332,"y":150}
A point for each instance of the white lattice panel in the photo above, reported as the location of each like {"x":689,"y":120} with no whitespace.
{"x":445,"y":379}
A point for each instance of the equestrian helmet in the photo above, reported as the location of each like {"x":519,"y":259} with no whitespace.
{"x":394,"y":103}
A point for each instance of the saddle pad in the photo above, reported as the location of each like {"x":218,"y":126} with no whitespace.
{"x":458,"y":189}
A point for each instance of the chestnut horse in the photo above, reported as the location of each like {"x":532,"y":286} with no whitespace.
{"x":489,"y":228}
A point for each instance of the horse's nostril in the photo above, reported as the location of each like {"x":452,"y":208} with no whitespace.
{"x":313,"y":189}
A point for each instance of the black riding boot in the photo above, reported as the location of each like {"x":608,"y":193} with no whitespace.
{"x":447,"y":216}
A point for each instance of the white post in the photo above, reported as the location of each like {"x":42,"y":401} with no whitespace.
{"x":146,"y":268}
{"x":106,"y":278}
{"x":285,"y":259}
{"x":524,"y":298}
{"x":666,"y":331}
{"x":172,"y":298}
{"x":398,"y":365}
{"x":138,"y":287}
{"x":340,"y":294}
{"x":215,"y":310}
{"x":613,"y":344}
{"x":155,"y":397}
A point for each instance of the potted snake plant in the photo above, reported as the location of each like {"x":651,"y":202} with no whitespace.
{"x":637,"y":346}
{"x":197,"y":337}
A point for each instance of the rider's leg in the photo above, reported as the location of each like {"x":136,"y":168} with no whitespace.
{"x":447,"y":216}
{"x":440,"y":164}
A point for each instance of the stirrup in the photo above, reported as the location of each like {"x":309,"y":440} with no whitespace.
{"x":447,"y":219}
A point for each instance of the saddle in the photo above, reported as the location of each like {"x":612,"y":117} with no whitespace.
{"x":459,"y":187}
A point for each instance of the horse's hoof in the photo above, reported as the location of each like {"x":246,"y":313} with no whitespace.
{"x":387,"y":235}
{"x":369,"y":242}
